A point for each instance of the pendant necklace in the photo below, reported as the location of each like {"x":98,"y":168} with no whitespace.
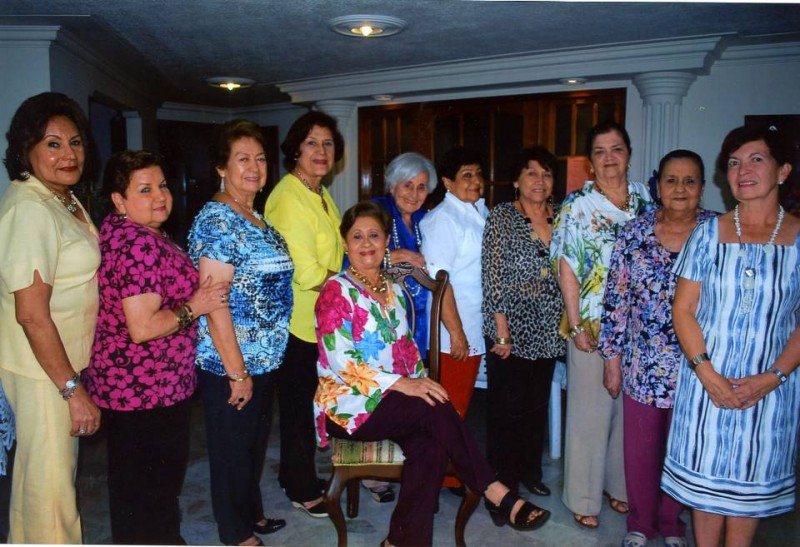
{"x":544,"y":271}
{"x":311,"y":188}
{"x":749,"y":281}
{"x":242,"y":205}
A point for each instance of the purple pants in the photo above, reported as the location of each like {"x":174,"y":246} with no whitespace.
{"x":429,"y":437}
{"x":653,"y":512}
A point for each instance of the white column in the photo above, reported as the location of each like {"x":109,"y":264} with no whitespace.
{"x":344,"y":187}
{"x":662,"y":93}
{"x":133,"y":130}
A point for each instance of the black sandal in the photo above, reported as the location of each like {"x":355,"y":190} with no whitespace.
{"x":522,"y":521}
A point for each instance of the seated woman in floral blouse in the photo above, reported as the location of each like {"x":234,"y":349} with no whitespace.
{"x":639,"y":346}
{"x":372,"y":386}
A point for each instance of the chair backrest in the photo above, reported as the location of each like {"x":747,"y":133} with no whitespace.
{"x":401,"y":272}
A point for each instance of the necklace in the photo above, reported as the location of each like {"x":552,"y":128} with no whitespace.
{"x":749,"y":280}
{"x":542,"y":253}
{"x":242,"y":205}
{"x":69,"y":202}
{"x":308,"y":185}
{"x":396,"y":239}
{"x":361,"y":277}
{"x":626,"y":205}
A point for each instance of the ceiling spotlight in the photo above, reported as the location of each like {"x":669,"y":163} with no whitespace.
{"x":230,"y":82}
{"x":366,"y":26}
{"x":384,"y":98}
{"x":572,"y":81}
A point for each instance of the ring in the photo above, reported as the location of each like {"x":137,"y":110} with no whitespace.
{"x":81,"y":432}
{"x":241,"y":399}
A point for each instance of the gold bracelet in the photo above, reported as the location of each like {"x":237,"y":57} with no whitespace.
{"x":575,"y":331}
{"x":238,"y":376}
{"x":184,"y":316}
{"x":503,"y":341}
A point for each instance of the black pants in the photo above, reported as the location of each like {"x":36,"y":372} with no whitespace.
{"x":297,"y":384}
{"x":237,"y":441}
{"x":517,"y":398}
{"x":148,"y":451}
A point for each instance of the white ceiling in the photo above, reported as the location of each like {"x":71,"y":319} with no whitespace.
{"x":179,"y":43}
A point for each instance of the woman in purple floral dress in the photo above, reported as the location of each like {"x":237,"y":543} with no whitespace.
{"x":142,"y":370}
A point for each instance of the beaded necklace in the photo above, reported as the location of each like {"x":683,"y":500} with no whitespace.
{"x":366,"y":282}
{"x":626,"y":205}
{"x":308,"y":185}
{"x":70,"y":203}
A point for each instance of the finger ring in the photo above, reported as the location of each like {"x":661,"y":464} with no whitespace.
{"x":241,"y":399}
{"x":428,"y":393}
{"x":81,"y":431}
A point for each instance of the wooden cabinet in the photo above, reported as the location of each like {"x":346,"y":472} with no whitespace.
{"x":496,"y":127}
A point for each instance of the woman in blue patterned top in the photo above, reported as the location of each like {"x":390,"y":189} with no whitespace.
{"x":638,"y":343}
{"x":240,"y":346}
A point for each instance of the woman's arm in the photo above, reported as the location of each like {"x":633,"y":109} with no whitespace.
{"x":752,"y":389}
{"x":571,"y":290}
{"x":32,"y":308}
{"x":220,"y":326}
{"x":147,"y":321}
{"x":616,"y":312}
{"x":690,"y":337}
{"x":492,"y":264}
{"x":459,"y":347}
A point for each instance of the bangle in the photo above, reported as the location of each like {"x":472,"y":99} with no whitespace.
{"x":698,"y":359}
{"x":778,"y":374}
{"x":184,"y":316}
{"x":503,"y":341}
{"x":238,"y":376}
{"x":69,"y":388}
{"x":575,"y":331}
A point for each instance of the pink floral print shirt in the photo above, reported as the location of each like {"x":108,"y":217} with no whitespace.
{"x":123,"y":375}
{"x":364,"y":348}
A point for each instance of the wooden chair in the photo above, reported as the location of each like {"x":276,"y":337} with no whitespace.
{"x":356,"y":460}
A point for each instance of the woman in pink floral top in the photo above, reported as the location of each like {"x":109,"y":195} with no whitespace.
{"x":372,"y":386}
{"x":142,"y":370}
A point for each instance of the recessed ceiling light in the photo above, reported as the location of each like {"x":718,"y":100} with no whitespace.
{"x":366,"y":26}
{"x":572,"y":81}
{"x":384,"y":98}
{"x":230,"y":82}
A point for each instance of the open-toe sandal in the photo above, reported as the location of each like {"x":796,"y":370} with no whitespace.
{"x":523,"y":520}
{"x":617,"y":505}
{"x":498,"y":518}
{"x":587,"y":521}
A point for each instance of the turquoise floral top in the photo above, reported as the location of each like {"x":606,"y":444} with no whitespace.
{"x":364,"y":348}
{"x":584,"y":234}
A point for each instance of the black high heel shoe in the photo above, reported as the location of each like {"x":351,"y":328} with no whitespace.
{"x":501,"y":514}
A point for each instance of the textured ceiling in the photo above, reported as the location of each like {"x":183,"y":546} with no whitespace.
{"x":182,"y":42}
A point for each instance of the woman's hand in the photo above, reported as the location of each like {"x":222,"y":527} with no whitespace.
{"x":241,"y":393}
{"x":459,"y":347}
{"x":612,"y":376}
{"x":717,"y":386}
{"x":502,"y":350}
{"x":404,"y":255}
{"x":752,"y":389}
{"x":584,"y":342}
{"x":424,"y":388}
{"x":83,"y":413}
{"x":210,"y":297}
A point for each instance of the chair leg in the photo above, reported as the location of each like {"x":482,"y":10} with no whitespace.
{"x":353,"y":498}
{"x":465,"y":510}
{"x":334,"y":506}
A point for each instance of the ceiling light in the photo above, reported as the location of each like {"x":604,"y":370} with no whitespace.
{"x":230,"y":82}
{"x":366,"y":26}
{"x":384,"y":98}
{"x":572,"y":81}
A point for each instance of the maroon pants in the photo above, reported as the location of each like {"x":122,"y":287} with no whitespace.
{"x":653,"y":511}
{"x":429,"y":436}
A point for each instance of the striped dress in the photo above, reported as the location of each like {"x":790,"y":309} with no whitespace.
{"x":737,"y":462}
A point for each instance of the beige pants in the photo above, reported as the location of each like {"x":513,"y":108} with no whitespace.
{"x":593,"y":457}
{"x":43,"y":500}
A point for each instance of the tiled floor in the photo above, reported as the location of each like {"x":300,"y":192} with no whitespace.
{"x":198,"y":526}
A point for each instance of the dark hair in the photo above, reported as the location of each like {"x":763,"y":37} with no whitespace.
{"x":606,"y":127}
{"x":681,"y":154}
{"x":538,"y":154}
{"x":365,"y":209}
{"x":300,"y":129}
{"x":29,"y":124}
{"x":230,"y":132}
{"x":122,"y":165}
{"x":454,"y":159}
{"x":776,"y":142}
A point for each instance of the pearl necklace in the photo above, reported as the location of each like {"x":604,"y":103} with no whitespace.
{"x":308,"y":185}
{"x":366,"y":282}
{"x":71,"y":204}
{"x":396,"y":239}
{"x":626,"y":205}
{"x":242,"y":205}
{"x":749,"y":281}
{"x":771,"y":243}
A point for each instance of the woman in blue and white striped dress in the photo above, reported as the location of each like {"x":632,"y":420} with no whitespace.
{"x":731,"y":452}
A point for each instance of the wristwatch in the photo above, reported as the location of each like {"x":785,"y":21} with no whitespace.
{"x":698,"y":359}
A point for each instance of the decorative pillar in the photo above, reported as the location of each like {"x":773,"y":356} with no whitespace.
{"x":344,"y":187}
{"x":662,"y":93}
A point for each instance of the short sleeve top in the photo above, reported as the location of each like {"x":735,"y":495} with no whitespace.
{"x":122,"y":374}
{"x":261,"y":289}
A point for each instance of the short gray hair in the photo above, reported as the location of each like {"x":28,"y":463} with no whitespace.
{"x":407,"y":166}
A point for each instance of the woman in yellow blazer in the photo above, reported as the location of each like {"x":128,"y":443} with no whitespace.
{"x":302,"y":210}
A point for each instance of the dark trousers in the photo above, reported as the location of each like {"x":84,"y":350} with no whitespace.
{"x":236,"y":449}
{"x":5,"y":494}
{"x":517,"y":397}
{"x":429,"y":436}
{"x":148,"y":451}
{"x":297,"y":384}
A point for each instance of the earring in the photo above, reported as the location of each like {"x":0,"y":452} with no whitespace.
{"x":781,"y":181}
{"x":591,"y":169}
{"x":222,"y":183}
{"x":516,"y":192}
{"x":25,"y":175}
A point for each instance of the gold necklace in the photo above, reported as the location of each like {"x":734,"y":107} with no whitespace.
{"x":366,"y":282}
{"x":308,"y":185}
{"x":626,"y":205}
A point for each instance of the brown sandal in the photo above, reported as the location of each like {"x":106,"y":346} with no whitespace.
{"x":587,"y":521}
{"x":617,"y":505}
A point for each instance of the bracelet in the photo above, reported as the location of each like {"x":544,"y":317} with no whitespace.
{"x":184,"y":316}
{"x":575,"y":331}
{"x":503,"y":341}
{"x":780,"y":375}
{"x":238,"y":376}
{"x":69,"y":388}
{"x":698,"y":359}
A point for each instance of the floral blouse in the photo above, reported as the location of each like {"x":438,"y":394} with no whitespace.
{"x":518,"y":282}
{"x":261,"y":289}
{"x":584,"y":234}
{"x":364,"y":348}
{"x":123,"y":375}
{"x":637,"y":313}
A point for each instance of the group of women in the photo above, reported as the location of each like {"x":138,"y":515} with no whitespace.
{"x":120,"y":326}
